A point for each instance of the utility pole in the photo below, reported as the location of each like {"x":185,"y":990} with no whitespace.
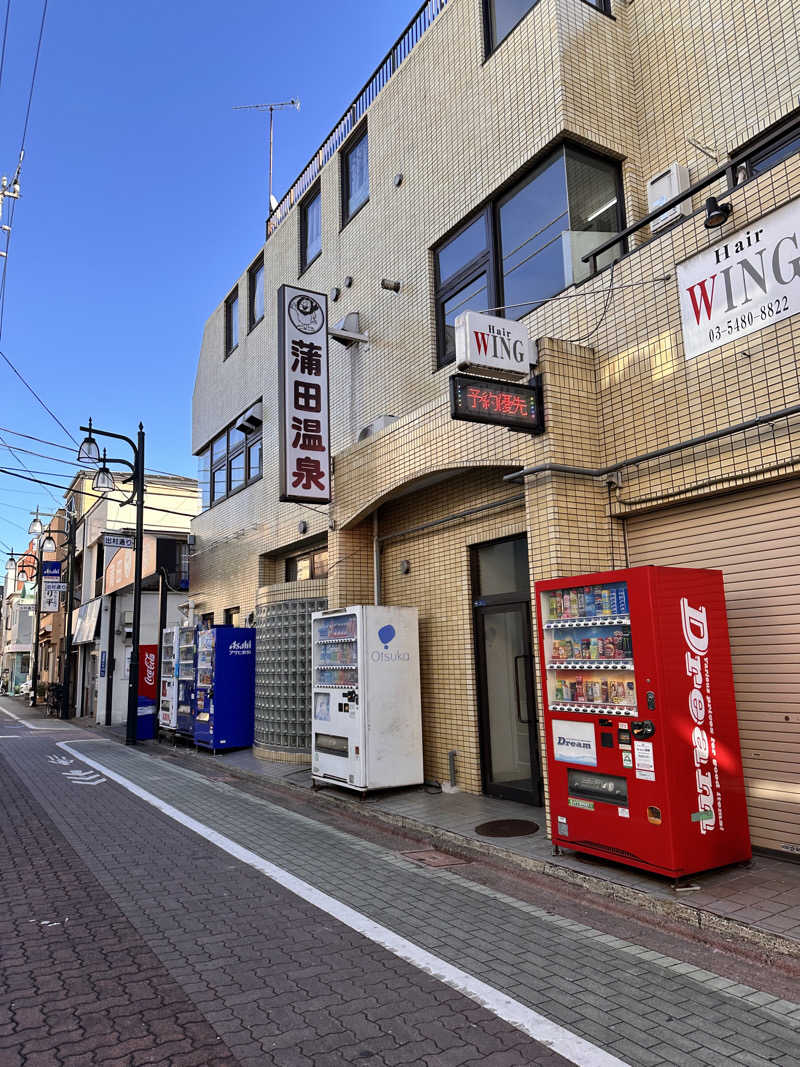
{"x":271,"y":203}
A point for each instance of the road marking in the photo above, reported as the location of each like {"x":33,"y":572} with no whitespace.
{"x":83,"y":777}
{"x":573,"y":1048}
{"x":60,"y":760}
{"x":27,"y":725}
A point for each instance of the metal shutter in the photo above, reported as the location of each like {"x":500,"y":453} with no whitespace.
{"x":753,"y":537}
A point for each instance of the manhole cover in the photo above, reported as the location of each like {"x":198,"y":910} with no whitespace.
{"x":431,"y":858}
{"x":507,"y":828}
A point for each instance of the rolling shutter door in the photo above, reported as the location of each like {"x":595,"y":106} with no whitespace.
{"x":753,"y":537}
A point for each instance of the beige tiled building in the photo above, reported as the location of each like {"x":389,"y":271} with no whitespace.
{"x":476,"y":170}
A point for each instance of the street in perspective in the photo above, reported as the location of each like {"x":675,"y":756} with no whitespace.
{"x":400,"y":526}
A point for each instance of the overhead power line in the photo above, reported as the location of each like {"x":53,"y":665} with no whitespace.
{"x":33,"y":77}
{"x":33,"y":392}
{"x":5,"y":38}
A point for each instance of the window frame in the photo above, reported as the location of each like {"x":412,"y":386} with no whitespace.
{"x":310,"y":556}
{"x":361,"y":133}
{"x":489,"y":45}
{"x":231,"y":320}
{"x":483,"y":263}
{"x":314,"y":192}
{"x":766,"y":143}
{"x":256,"y":266}
{"x":223,"y":463}
{"x":490,"y":261}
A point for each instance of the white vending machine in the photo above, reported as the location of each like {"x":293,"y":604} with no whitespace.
{"x":366,"y":726}
{"x":168,"y":692}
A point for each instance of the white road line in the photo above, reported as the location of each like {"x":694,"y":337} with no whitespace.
{"x":28,"y":725}
{"x":566,"y":1044}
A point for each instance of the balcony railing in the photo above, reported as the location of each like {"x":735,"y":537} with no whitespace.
{"x":399,"y":51}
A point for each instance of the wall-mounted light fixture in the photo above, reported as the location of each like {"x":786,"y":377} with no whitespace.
{"x":335,"y":293}
{"x":398,"y":180}
{"x":348,"y":281}
{"x":405,"y":566}
{"x":716,"y":214}
{"x":387,"y":283}
{"x":302,"y":526}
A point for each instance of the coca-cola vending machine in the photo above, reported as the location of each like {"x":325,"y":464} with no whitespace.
{"x":148,"y":692}
{"x":643,"y":756}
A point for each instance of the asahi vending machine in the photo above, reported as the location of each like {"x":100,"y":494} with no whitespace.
{"x":640,"y":719}
{"x":366,"y":728}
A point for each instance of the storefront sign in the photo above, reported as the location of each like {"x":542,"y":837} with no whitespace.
{"x":103,"y":663}
{"x":148,"y":670}
{"x":489,"y":341}
{"x":84,"y":622}
{"x":305,"y":474}
{"x":51,"y":570}
{"x":51,"y":596}
{"x":120,"y":565}
{"x":573,"y":742}
{"x":743,"y":283}
{"x":118,"y":541}
{"x":517,"y":407}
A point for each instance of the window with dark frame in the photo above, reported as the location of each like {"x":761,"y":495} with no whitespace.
{"x":231,"y":461}
{"x":232,"y":322}
{"x":310,"y":229}
{"x":509,"y":257}
{"x":355,"y":176}
{"x":255,"y":293}
{"x":231,"y":616}
{"x":770,"y":148}
{"x":310,"y":565}
{"x":501,"y":17}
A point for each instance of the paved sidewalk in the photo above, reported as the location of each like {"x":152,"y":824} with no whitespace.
{"x":643,"y":1006}
{"x":760,"y":902}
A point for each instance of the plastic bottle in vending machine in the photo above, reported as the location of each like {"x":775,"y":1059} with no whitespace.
{"x":579,"y":693}
{"x":558,"y":600}
{"x":630,"y":694}
{"x":559,"y":690}
{"x":581,"y":604}
{"x":605,"y":601}
{"x":612,"y":599}
{"x":573,"y":604}
{"x":594,"y":648}
{"x":604,"y":691}
{"x":622,"y":599}
{"x":598,"y":600}
{"x":588,"y":601}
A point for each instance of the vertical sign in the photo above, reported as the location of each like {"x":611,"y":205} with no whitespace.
{"x":148,"y":666}
{"x":303,"y":381}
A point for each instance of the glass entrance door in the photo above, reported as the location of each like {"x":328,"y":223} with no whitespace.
{"x":504,"y":662}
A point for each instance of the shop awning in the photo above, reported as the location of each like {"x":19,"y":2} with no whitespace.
{"x":84,"y":621}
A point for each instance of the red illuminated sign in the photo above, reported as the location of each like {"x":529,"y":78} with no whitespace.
{"x":517,"y":407}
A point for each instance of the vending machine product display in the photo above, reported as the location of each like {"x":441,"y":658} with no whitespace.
{"x":640,"y":719}
{"x":184,"y":714}
{"x":168,"y":689}
{"x":366,"y":728}
{"x":224,"y":689}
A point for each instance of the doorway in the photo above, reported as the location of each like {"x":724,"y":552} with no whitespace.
{"x":504,"y":668}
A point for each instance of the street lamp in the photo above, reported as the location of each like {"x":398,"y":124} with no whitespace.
{"x":28,"y":568}
{"x":48,"y":544}
{"x":103,"y":482}
{"x":35,"y":528}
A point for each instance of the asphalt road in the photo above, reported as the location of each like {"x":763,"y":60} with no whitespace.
{"x":151,"y":914}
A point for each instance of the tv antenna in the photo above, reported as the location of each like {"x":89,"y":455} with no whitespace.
{"x":273,"y":203}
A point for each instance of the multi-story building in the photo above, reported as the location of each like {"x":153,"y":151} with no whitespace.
{"x":102,"y":616}
{"x":497,"y":145}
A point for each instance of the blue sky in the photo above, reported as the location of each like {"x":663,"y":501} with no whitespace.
{"x":144,"y":195}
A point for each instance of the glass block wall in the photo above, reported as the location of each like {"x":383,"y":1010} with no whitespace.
{"x":283,"y":673}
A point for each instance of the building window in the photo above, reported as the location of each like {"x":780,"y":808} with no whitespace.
{"x":231,"y":616}
{"x":310,"y":565}
{"x":500,"y":18}
{"x":232,"y":460}
{"x":255,"y":293}
{"x":527,"y":245}
{"x":232,"y":322}
{"x":310,"y":229}
{"x":355,"y":178}
{"x":770,"y":148}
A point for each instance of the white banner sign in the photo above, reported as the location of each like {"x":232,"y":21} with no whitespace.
{"x":51,"y":596}
{"x":488,"y":341}
{"x":118,"y":541}
{"x":573,"y":742}
{"x":303,"y":375}
{"x":742,"y":284}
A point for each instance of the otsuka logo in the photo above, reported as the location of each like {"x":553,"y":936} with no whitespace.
{"x":695,"y":631}
{"x":386,"y":635}
{"x":742,"y":281}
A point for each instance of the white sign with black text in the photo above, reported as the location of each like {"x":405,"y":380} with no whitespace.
{"x":743,"y":283}
{"x":489,"y":341}
{"x":573,"y":742}
{"x":305,"y":474}
{"x":51,"y":596}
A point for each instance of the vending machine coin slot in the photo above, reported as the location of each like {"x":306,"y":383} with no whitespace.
{"x":643,"y":730}
{"x":651,"y":701}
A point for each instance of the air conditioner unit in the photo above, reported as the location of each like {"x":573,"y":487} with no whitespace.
{"x":663,"y":187}
{"x":252,"y":419}
{"x":376,"y":426}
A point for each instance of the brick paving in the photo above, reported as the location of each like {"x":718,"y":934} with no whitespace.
{"x":248,"y":953}
{"x":174,"y":953}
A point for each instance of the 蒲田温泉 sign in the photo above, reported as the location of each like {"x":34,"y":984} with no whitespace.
{"x":305,"y":474}
{"x":743,"y":283}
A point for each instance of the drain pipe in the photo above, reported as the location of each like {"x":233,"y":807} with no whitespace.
{"x":376,"y":559}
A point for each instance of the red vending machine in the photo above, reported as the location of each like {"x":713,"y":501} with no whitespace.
{"x":643,"y":752}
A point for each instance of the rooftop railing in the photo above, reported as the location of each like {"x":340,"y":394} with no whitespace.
{"x":399,"y":51}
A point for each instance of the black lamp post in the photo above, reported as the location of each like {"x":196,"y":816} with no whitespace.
{"x":29,"y":569}
{"x":103,"y":482}
{"x":49,"y":545}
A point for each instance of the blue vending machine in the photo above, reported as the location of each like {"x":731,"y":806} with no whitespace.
{"x":224,"y":692}
{"x":184,"y":720}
